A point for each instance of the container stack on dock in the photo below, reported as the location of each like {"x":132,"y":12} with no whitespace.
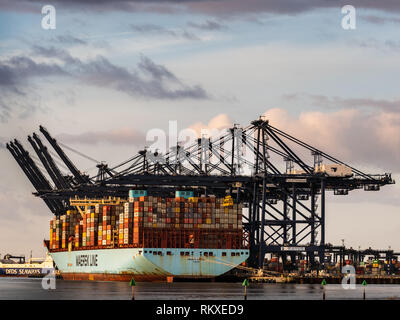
{"x":149,"y":221}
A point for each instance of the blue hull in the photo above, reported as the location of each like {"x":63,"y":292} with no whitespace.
{"x":147,"y":264}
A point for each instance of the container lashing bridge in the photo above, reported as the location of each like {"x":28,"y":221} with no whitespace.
{"x":281,"y":180}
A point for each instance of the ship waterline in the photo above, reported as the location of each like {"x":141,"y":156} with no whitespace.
{"x":146,"y":264}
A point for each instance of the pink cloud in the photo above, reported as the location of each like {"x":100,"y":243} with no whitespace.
{"x":214,"y":126}
{"x":348,"y":134}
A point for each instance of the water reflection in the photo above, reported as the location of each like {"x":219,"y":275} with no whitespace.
{"x":23,"y":288}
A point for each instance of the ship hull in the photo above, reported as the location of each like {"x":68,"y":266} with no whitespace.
{"x":146,"y":264}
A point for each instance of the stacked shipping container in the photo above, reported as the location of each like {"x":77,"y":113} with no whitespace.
{"x":147,"y":221}
{"x":62,"y":228}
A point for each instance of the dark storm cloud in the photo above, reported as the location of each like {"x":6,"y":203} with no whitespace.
{"x":14,"y":75}
{"x":211,"y":7}
{"x":157,"y":71}
{"x":17,"y":69}
{"x":147,"y":80}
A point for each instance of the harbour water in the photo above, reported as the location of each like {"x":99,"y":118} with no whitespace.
{"x":29,"y":288}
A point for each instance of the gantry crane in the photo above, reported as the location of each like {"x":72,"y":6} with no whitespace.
{"x":281,"y":180}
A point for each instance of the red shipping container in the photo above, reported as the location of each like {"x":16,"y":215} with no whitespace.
{"x":106,"y":209}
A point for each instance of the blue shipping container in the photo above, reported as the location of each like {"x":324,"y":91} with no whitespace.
{"x":184,"y":194}
{"x":137,"y":193}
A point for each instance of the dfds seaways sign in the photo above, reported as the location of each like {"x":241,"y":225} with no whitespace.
{"x":22,"y":271}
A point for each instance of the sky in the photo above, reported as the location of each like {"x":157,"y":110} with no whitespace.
{"x":113,"y":70}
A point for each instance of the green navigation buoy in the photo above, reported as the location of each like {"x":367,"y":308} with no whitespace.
{"x":132,"y":282}
{"x":323,"y":284}
{"x":245,"y":284}
{"x":364,"y":284}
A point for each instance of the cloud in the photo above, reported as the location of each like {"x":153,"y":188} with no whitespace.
{"x":19,"y":68}
{"x":207,"y":25}
{"x":355,"y":137}
{"x":20,"y":6}
{"x":148,"y":80}
{"x":214,"y":126}
{"x":379,"y":19}
{"x":210,"y":7}
{"x":338,"y":102}
{"x":383,"y":45}
{"x":156,"y":29}
{"x":121,"y":136}
{"x":2,"y":143}
{"x":68,"y":39}
{"x":15,"y":74}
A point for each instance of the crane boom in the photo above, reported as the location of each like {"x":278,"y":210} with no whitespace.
{"x":48,"y":162}
{"x":34,"y":175}
{"x":78,"y":176}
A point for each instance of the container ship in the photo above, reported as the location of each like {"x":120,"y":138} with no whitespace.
{"x":148,"y":238}
{"x":35,"y":267}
